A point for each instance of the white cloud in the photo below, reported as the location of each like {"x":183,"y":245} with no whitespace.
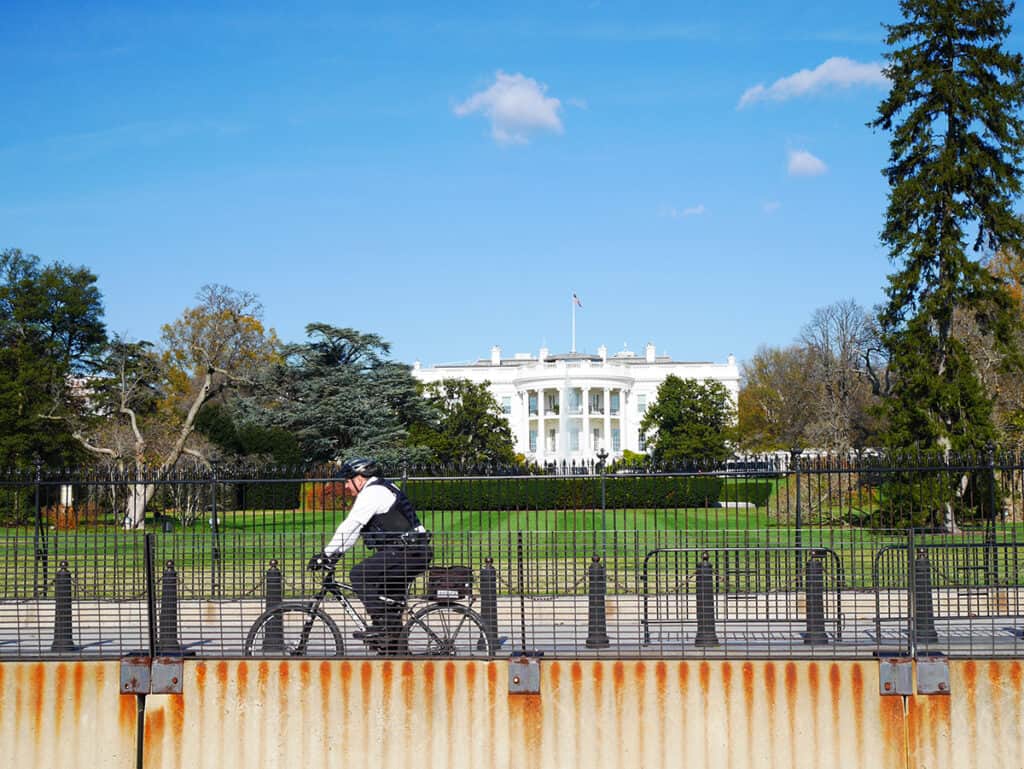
{"x":516,"y":105}
{"x":771,"y":206}
{"x":837,"y":72}
{"x":803,"y":163}
{"x":675,"y":213}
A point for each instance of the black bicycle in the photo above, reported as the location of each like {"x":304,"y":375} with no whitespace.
{"x":437,"y":625}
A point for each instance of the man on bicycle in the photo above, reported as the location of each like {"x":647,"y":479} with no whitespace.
{"x":388,"y":523}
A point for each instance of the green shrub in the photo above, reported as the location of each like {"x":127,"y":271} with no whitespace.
{"x":564,"y":493}
{"x":754,"y":491}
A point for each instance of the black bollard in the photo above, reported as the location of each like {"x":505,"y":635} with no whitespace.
{"x":924,"y":616}
{"x":597,"y":623}
{"x":488,"y":602}
{"x":273,"y":635}
{"x":167,"y":643}
{"x":705,"y":604}
{"x":814,"y":590}
{"x":62,"y":619}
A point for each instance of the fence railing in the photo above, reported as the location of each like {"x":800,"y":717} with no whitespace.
{"x":111,"y":594}
{"x":821,"y":556}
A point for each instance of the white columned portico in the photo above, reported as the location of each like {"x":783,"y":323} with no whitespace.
{"x":606,"y":443}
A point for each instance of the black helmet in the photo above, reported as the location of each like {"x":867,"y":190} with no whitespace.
{"x":364,"y":466}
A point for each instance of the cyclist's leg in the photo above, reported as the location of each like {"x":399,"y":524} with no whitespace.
{"x":367,"y":578}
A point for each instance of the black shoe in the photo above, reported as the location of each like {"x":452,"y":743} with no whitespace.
{"x":371,"y":634}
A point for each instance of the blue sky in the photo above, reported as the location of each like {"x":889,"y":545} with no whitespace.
{"x":447,"y":175}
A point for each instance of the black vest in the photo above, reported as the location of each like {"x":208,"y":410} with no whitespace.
{"x":387,"y":529}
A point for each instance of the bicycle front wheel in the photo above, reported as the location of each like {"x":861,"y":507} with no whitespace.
{"x":294,"y":630}
{"x":447,"y":630}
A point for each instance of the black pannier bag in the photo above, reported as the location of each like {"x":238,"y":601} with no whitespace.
{"x":449,"y":583}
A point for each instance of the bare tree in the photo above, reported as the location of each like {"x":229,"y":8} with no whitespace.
{"x":841,"y":340}
{"x":147,"y":404}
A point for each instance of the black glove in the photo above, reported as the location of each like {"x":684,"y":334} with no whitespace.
{"x":322,"y":562}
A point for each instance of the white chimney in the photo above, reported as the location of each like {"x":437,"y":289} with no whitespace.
{"x":495,"y":356}
{"x":603,"y":352}
{"x":650,"y":352}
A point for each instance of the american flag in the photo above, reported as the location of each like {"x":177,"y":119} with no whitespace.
{"x":576,"y":301}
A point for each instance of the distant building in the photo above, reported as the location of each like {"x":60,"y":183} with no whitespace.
{"x":569,"y":406}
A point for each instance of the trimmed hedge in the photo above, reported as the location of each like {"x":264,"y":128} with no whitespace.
{"x":564,"y":493}
{"x":756,"y":492}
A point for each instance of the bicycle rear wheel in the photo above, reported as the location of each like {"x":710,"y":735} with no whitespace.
{"x":294,"y":630}
{"x":447,"y":630}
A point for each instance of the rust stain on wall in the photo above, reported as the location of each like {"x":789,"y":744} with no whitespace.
{"x":857,"y":684}
{"x":154,"y":726}
{"x":790,"y":684}
{"x":62,"y":686}
{"x":37,"y":677}
{"x":126,"y":713}
{"x":834,"y":683}
{"x":176,"y":704}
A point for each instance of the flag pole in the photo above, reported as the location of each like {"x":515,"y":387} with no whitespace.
{"x":573,"y":303}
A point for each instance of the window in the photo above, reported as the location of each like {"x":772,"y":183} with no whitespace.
{"x":575,"y":401}
{"x":533,"y":404}
{"x":597,"y":403}
{"x":574,"y":440}
{"x":506,"y":404}
{"x":596,"y":439}
{"x":551,"y":403}
{"x":616,"y":442}
{"x":641,"y":404}
{"x":643,"y":442}
{"x":533,"y":439}
{"x":614,"y":405}
{"x":551,"y":445}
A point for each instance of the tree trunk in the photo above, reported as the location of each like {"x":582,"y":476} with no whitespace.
{"x":139,"y":496}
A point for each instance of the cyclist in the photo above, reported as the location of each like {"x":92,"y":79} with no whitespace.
{"x":388,"y":523}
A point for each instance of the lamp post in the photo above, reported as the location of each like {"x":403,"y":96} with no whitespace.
{"x":602,"y":458}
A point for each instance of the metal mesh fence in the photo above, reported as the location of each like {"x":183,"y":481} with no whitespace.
{"x":825,"y":557}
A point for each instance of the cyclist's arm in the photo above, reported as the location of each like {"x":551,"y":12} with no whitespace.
{"x":371,"y":501}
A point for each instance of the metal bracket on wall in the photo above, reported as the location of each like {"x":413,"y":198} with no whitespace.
{"x":933,"y":675}
{"x":524,"y":675}
{"x":895,"y":676}
{"x":146,"y":675}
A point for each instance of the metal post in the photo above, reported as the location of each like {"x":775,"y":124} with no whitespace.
{"x":602,"y":456}
{"x":814,"y":587}
{"x":706,"y":635}
{"x":597,"y":624}
{"x":924,"y":618}
{"x":214,"y":529}
{"x":273,"y":586}
{"x":522,"y":594}
{"x":150,"y":591}
{"x":795,"y":461}
{"x":62,"y":618}
{"x":168,"y":640}
{"x":40,"y":584}
{"x":991,"y":555}
{"x":488,"y":601}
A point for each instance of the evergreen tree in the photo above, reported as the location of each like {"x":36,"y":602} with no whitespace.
{"x":954,"y":174}
{"x":51,"y":335}
{"x":469,"y":426}
{"x":339,"y":395}
{"x":691,"y":421}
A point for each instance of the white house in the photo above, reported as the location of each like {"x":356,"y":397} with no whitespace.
{"x":569,"y":406}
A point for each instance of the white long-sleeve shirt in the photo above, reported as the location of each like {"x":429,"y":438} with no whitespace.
{"x":374,"y":499}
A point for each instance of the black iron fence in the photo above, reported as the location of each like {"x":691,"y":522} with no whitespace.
{"x":822,"y":556}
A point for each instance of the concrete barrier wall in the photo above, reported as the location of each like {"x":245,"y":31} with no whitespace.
{"x":65,"y":714}
{"x":593,"y":714}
